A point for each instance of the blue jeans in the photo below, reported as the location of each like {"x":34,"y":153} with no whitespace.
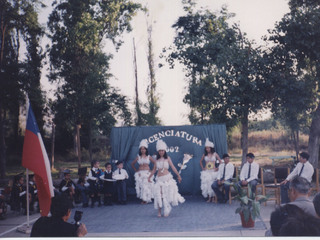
{"x":284,"y":193}
{"x":216,"y":188}
{"x":84,"y":191}
{"x":253,"y":184}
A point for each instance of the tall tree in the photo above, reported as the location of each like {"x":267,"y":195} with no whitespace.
{"x":153,"y":103}
{"x":298,"y":37}
{"x":225,"y":73}
{"x":18,"y":22}
{"x":140,"y":119}
{"x":77,"y":29}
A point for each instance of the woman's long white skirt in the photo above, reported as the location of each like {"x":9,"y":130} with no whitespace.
{"x":144,"y":189}
{"x":207,"y":178}
{"x":166,"y":193}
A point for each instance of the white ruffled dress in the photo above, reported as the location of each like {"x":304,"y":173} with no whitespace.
{"x":207,"y":177}
{"x":144,"y":188}
{"x":166,"y":192}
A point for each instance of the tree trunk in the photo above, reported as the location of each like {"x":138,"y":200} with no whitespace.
{"x":244,"y":137}
{"x":78,"y":145}
{"x":314,"y":139}
{"x":52,"y":145}
{"x":2,"y":143}
{"x":295,"y":135}
{"x":138,"y":110}
{"x":90,"y":142}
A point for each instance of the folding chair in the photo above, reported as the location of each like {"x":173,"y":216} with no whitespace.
{"x":259,"y":185}
{"x":235,"y":176}
{"x":280,"y":174}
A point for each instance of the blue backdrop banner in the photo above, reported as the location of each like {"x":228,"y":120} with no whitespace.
{"x":184,"y":142}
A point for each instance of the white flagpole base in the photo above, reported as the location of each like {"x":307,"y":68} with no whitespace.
{"x":24,"y":229}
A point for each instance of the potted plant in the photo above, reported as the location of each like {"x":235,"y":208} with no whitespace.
{"x":249,"y":205}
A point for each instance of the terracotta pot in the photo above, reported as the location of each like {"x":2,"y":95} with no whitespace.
{"x":245,"y":224}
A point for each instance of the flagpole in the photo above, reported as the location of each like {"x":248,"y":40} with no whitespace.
{"x":28,"y":201}
{"x":26,"y":228}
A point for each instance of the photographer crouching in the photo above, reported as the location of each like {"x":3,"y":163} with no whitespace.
{"x":57,"y":225}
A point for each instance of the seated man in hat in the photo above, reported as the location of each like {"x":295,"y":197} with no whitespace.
{"x":225,"y":174}
{"x":249,"y":173}
{"x":67,"y":186}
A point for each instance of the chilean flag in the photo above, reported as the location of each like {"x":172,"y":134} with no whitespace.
{"x":35,"y":158}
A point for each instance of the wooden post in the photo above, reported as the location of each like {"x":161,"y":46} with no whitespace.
{"x":78,"y":145}
{"x":52,"y":145}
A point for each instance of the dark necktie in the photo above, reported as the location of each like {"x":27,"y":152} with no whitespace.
{"x":301,"y":170}
{"x":249,"y":171}
{"x":119,"y":171}
{"x":224,"y":172}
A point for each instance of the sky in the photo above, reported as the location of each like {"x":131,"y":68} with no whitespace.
{"x":255,"y":17}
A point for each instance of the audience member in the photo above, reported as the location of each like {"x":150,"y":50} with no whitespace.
{"x":120,"y":175}
{"x":18,"y":193}
{"x":108,"y":185}
{"x":96,"y":185}
{"x":57,"y":225}
{"x":316,"y":203}
{"x":280,"y":215}
{"x":3,"y":206}
{"x":83,"y":188}
{"x":33,"y":192}
{"x":304,"y":225}
{"x":298,"y":193}
{"x":303,"y":169}
{"x":67,"y":186}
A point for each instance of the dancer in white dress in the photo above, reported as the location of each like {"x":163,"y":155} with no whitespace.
{"x":144,"y":188}
{"x":209,"y":172}
{"x":166,"y":192}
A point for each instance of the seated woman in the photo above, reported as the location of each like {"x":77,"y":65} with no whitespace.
{"x":209,"y":172}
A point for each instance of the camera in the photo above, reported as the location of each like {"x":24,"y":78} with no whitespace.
{"x":77,"y":217}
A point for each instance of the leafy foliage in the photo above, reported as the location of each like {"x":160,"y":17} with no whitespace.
{"x":19,"y":24}
{"x":226,"y":75}
{"x":84,"y":97}
{"x":249,"y":202}
{"x":295,"y":64}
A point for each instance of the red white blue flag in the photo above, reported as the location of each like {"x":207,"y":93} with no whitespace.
{"x":35,"y":158}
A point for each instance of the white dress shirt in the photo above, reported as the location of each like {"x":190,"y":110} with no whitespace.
{"x":228,"y":173}
{"x":120,"y":176}
{"x":90,"y":176}
{"x":253,"y":173}
{"x":307,"y":171}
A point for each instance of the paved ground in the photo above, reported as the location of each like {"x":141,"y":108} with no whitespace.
{"x":194,"y":218}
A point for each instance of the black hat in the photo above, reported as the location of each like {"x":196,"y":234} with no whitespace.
{"x":31,"y":175}
{"x":17,"y":177}
{"x":66,"y":171}
{"x":119,"y":162}
{"x":82,"y":171}
{"x":225,"y":155}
